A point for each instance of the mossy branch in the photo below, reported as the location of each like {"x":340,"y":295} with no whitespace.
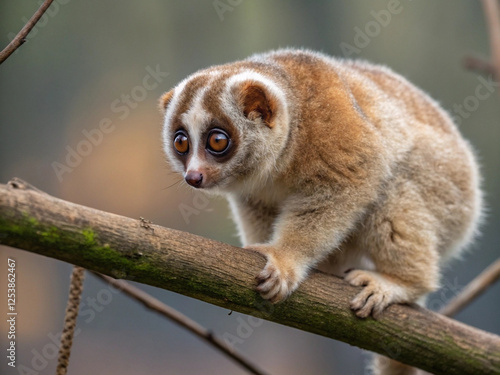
{"x":224,"y":275}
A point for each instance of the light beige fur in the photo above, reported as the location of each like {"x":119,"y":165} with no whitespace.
{"x":336,"y":164}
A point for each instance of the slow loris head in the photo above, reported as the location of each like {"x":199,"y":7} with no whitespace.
{"x":225,"y":127}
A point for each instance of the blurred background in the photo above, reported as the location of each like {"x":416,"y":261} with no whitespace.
{"x":92,"y":65}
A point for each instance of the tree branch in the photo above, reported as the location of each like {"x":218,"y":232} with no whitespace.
{"x":182,"y":320}
{"x":224,"y":275}
{"x":480,"y":65}
{"x":490,"y":9}
{"x":20,"y":38}
{"x":473,"y":290}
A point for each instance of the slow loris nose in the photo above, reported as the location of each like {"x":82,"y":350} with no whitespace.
{"x":194,"y":178}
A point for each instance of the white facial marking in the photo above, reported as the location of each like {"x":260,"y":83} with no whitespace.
{"x":194,"y":120}
{"x":196,"y":117}
{"x":194,"y":164}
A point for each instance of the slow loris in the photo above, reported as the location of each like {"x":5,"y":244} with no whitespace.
{"x":336,"y":164}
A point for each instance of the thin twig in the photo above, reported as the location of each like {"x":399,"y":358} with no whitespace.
{"x":491,"y":274}
{"x":491,"y":13}
{"x":480,"y":65}
{"x":174,"y":315}
{"x":474,"y":289}
{"x":21,"y":36}
{"x":490,"y":8}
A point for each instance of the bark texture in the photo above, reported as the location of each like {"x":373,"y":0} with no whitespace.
{"x":225,"y":276}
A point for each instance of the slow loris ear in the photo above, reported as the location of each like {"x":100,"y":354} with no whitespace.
{"x":257,"y":103}
{"x":164,"y":100}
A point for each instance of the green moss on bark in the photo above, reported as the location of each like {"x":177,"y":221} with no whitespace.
{"x":82,"y":244}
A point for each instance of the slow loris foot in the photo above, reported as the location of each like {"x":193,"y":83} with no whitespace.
{"x":280,"y":276}
{"x":379,"y":291}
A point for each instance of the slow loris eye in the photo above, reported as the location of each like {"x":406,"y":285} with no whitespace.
{"x":181,"y":143}
{"x":218,"y":142}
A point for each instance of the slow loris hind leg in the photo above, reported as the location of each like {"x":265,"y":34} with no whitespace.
{"x":401,"y":239}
